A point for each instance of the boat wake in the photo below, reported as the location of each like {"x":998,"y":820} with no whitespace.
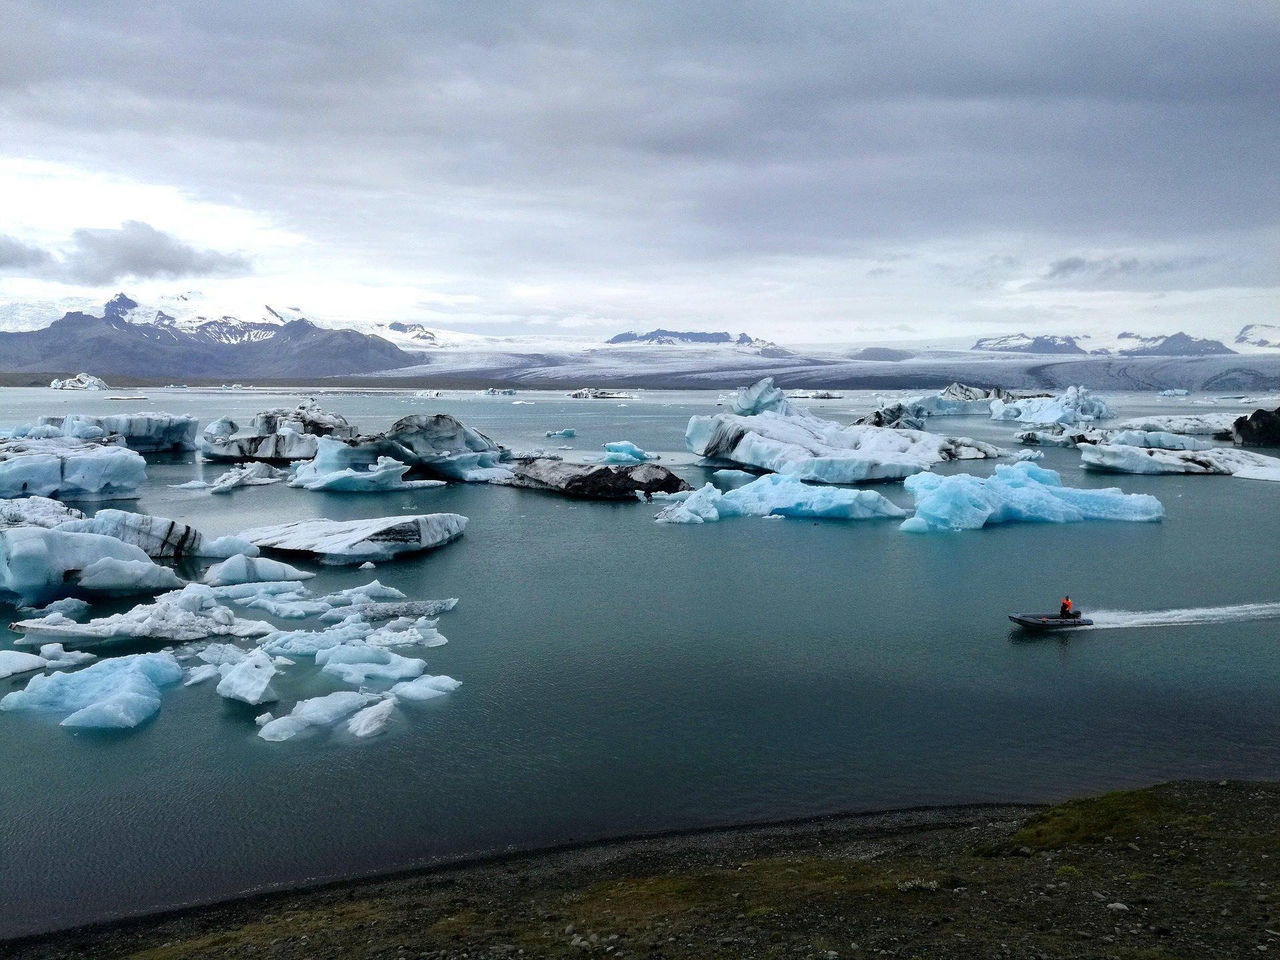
{"x":1112,"y":619}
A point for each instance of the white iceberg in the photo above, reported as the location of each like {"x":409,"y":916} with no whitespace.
{"x":38,"y":565}
{"x":624,"y":453}
{"x":342,"y":468}
{"x":81,"y":381}
{"x":119,"y":692}
{"x":191,"y":613}
{"x":425,"y":688}
{"x":779,"y":496}
{"x":36,"y":512}
{"x":71,"y":607}
{"x":775,"y":435}
{"x":1115,"y":458}
{"x":1077,"y":405}
{"x":358,"y":664}
{"x":146,"y":432}
{"x":69,"y":469}
{"x":317,"y":712}
{"x":1157,"y":439}
{"x":355,"y":541}
{"x":249,"y":681}
{"x":243,"y":568}
{"x":1206,"y":424}
{"x":307,"y":643}
{"x":373,"y":719}
{"x":159,"y":537}
{"x":250,"y":475}
{"x":568,"y":433}
{"x":1017,"y":493}
{"x":15,"y":661}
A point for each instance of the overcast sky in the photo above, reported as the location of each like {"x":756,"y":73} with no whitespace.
{"x":802,"y":171}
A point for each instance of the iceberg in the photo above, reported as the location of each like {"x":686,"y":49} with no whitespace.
{"x":159,"y":537}
{"x":372,"y":720}
{"x":624,"y":453}
{"x":1017,"y":493}
{"x":242,"y":568}
{"x":68,"y":607}
{"x":81,"y":381}
{"x":117,"y":693}
{"x":568,"y":433}
{"x":774,"y":435}
{"x":1077,"y":405}
{"x":249,"y":681}
{"x":342,"y":468}
{"x":425,"y":688}
{"x":275,"y":435}
{"x":307,"y":643}
{"x":15,"y":661}
{"x":191,"y":613}
{"x":148,"y":432}
{"x":593,"y":481}
{"x":958,"y":399}
{"x":779,"y":496}
{"x":359,"y":664}
{"x":37,"y":565}
{"x":35,"y":512}
{"x":250,"y":475}
{"x":439,"y":445}
{"x":317,"y":712}
{"x":1115,"y":458}
{"x":50,"y":657}
{"x":355,"y":541}
{"x":1208,"y":424}
{"x":69,"y":469}
{"x":1157,"y":440}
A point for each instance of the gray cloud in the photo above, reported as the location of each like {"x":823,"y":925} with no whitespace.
{"x":139,"y":250}
{"x":495,"y":142}
{"x":16,"y":255}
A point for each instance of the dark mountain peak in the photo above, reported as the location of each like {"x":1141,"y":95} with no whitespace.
{"x":661,"y":336}
{"x":118,"y":306}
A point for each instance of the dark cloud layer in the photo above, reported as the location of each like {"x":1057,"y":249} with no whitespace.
{"x":140,"y":251}
{"x":495,"y":140}
{"x":16,"y":255}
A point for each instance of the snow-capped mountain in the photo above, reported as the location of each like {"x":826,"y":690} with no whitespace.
{"x":1265,"y":335}
{"x":131,"y":340}
{"x":1126,"y":344}
{"x":670,"y":337}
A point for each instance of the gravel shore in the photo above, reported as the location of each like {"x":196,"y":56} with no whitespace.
{"x":1182,"y":870}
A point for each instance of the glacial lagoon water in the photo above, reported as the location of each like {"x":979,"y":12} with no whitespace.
{"x":622,"y":676}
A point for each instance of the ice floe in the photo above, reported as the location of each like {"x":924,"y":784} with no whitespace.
{"x":1017,"y":493}
{"x":37,"y":565}
{"x":1116,"y":458}
{"x":568,"y":433}
{"x":624,"y":453}
{"x":36,"y":512}
{"x":1157,"y":439}
{"x":1076,"y":405}
{"x":148,"y":432}
{"x":355,"y":541}
{"x":425,"y":688}
{"x":51,"y":657}
{"x":81,"y":381}
{"x":243,"y":568}
{"x":440,"y":445}
{"x":116,"y":693}
{"x":69,"y":469}
{"x":159,"y":537}
{"x":1207,"y":424}
{"x":275,"y":435}
{"x":342,"y":468}
{"x":249,"y":680}
{"x":191,"y":613}
{"x":779,"y":496}
{"x":373,"y":719}
{"x":593,"y":481}
{"x":768,"y":432}
{"x":317,"y":712}
{"x":359,"y":664}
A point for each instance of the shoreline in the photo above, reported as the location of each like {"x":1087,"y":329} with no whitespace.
{"x":1185,"y":869}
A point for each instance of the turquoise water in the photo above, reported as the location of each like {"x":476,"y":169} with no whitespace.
{"x":622,"y":676}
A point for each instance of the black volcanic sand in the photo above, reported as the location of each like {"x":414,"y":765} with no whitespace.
{"x":1183,"y":870}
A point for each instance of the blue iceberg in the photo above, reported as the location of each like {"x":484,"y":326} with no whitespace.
{"x":779,"y":496}
{"x":1017,"y":493}
{"x":117,"y":693}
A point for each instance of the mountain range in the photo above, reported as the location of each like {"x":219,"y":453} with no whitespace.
{"x":1124,"y":345}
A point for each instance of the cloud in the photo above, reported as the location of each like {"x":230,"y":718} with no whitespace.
{"x":16,"y":255}
{"x":140,"y":251}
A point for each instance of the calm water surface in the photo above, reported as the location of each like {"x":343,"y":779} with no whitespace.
{"x":621,"y":676}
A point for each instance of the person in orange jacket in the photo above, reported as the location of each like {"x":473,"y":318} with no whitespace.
{"x":1065,"y":609}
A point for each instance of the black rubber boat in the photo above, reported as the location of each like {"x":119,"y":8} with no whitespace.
{"x":1049,"y":621}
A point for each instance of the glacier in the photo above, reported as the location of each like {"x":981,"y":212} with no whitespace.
{"x":767,"y":432}
{"x":116,"y":693}
{"x":779,"y":496}
{"x":1016,"y":493}
{"x":355,"y":541}
{"x":69,"y":469}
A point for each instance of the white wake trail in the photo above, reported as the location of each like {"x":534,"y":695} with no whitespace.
{"x":1109,"y":619}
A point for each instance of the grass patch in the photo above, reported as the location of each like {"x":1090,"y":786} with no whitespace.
{"x":1115,"y":816}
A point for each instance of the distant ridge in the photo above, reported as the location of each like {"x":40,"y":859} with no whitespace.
{"x":661,"y":336}
{"x":131,"y":341}
{"x":1126,"y":344}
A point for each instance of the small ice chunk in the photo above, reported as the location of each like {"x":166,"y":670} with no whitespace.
{"x":367,"y":565}
{"x":110,"y":575}
{"x":317,"y":712}
{"x":13,"y":662}
{"x":360,"y":663}
{"x":56,"y":658}
{"x":249,"y":680}
{"x":69,"y":607}
{"x":246,"y":569}
{"x":425,"y":688}
{"x":206,"y":671}
{"x":263,"y":719}
{"x":373,"y":719}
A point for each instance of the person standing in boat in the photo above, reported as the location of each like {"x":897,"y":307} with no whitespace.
{"x":1065,"y":611}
